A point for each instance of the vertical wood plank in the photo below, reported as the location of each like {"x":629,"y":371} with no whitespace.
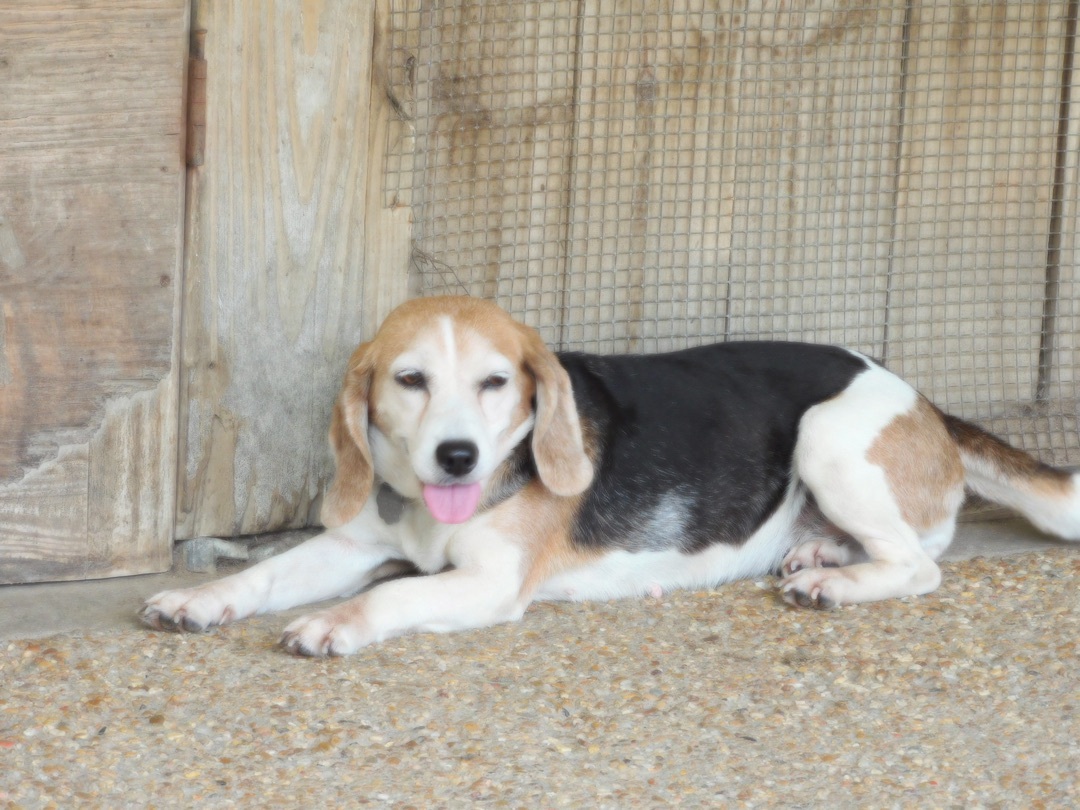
{"x":493,"y":125}
{"x":729,"y":182}
{"x":387,"y":218}
{"x":288,"y":264}
{"x":968,"y":276}
{"x":819,"y":100}
{"x":653,"y":172}
{"x":1057,"y":433}
{"x":91,"y":205}
{"x":128,"y":522}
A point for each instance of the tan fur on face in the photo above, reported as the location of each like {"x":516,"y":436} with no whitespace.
{"x":922,"y":465}
{"x":558,"y":446}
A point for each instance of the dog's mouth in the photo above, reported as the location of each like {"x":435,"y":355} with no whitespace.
{"x":452,"y":503}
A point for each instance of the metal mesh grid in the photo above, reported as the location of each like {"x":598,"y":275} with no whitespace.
{"x":898,"y":177}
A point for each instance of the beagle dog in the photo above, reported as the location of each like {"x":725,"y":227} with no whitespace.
{"x":506,"y":473}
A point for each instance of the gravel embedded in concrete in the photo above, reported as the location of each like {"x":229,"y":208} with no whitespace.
{"x":967,"y":697}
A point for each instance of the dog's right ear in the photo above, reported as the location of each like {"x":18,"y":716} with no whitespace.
{"x":558,"y":443}
{"x":354,"y":474}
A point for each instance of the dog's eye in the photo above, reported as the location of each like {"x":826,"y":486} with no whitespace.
{"x":411,"y":379}
{"x":494,"y":381}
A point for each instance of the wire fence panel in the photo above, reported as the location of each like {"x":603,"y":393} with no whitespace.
{"x":899,"y":177}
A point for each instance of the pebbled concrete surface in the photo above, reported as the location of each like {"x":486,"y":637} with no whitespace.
{"x":32,"y":611}
{"x":966,"y":697}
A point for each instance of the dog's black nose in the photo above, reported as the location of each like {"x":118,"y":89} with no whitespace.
{"x":457,"y":457}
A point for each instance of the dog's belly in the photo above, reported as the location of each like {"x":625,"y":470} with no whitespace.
{"x":619,"y":573}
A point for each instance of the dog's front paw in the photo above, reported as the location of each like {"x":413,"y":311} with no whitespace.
{"x":819,"y":588}
{"x":190,"y":610}
{"x":331,"y":632}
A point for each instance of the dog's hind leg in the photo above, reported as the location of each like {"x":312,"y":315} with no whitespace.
{"x":817,"y":543}
{"x":883,"y":470}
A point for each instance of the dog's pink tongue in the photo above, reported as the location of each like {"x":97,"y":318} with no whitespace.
{"x":452,"y":504}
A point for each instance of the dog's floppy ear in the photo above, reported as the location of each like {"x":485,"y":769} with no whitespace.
{"x":558,"y":445}
{"x":354,"y":475}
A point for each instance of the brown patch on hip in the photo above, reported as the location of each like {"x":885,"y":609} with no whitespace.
{"x":922,"y":465}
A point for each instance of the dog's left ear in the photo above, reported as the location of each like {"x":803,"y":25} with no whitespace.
{"x":355,"y":473}
{"x":558,"y":444}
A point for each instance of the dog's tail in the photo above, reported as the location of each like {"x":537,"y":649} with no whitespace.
{"x":1047,"y":496}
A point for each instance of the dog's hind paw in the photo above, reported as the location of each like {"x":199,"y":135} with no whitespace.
{"x":824,"y":552}
{"x":811,"y":588}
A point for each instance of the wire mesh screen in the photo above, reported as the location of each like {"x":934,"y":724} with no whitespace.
{"x":898,"y":177}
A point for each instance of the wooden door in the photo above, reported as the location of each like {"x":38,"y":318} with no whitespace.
{"x":91,"y":215}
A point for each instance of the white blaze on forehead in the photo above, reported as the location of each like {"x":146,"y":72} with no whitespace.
{"x":470,"y":353}
{"x":446,"y":328}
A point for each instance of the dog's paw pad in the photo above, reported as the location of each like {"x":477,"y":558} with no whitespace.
{"x":809,"y":589}
{"x":321,"y":635}
{"x":824,"y":553}
{"x":185,"y":611}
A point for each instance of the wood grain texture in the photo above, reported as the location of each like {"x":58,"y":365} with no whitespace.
{"x":91,"y":205}
{"x":728,"y":183}
{"x":288,"y":266}
{"x":493,"y":130}
{"x":1057,"y":415}
{"x":388,"y":218}
{"x":817,"y":121}
{"x":653,"y":171}
{"x":973,"y":210}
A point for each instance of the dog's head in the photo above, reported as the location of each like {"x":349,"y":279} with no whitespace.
{"x":439,"y":399}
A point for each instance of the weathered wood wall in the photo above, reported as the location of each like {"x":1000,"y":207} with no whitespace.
{"x":91,"y":212}
{"x":630,"y":175}
{"x":1060,"y":362}
{"x":973,"y":212}
{"x":292,"y":255}
{"x":509,"y":142}
{"x":649,"y":174}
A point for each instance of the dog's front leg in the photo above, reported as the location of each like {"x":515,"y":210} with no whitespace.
{"x":475,"y":593}
{"x":331,"y":564}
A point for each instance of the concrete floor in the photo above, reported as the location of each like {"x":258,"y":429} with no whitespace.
{"x":37,"y":611}
{"x":966,"y":697}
